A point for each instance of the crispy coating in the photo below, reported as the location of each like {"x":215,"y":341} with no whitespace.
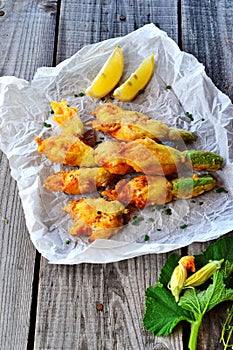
{"x":95,"y":217}
{"x":142,"y":155}
{"x":78,"y":181}
{"x":111,"y":155}
{"x":67,"y":117}
{"x":66,"y":149}
{"x":128,"y":125}
{"x":142,"y":191}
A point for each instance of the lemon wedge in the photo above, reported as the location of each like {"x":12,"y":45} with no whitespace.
{"x":137,"y":81}
{"x":108,"y":76}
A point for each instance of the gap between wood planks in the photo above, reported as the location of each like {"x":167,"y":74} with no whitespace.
{"x":35,"y":287}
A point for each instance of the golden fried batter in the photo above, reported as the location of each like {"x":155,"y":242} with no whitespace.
{"x":128,"y":125}
{"x":143,"y":155}
{"x":111,"y":155}
{"x":66,"y":149}
{"x":78,"y":181}
{"x":95,"y":217}
{"x":142,"y":191}
{"x":67,"y":117}
{"x":151,"y":158}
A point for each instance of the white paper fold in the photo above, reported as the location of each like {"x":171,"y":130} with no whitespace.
{"x":24,"y":106}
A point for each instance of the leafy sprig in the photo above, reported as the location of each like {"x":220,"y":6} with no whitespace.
{"x":163,"y":313}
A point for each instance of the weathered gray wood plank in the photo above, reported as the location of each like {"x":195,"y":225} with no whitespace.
{"x":85,"y":22}
{"x":67,"y":306}
{"x":26,"y":42}
{"x":207,"y":33}
{"x":68,"y":296}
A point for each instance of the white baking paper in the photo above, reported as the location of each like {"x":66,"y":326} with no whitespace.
{"x":24,"y":106}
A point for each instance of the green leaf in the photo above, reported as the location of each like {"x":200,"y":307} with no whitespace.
{"x":216,"y":251}
{"x":162,"y":312}
{"x":200,"y":302}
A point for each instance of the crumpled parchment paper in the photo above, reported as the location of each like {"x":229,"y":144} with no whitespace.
{"x":24,"y":106}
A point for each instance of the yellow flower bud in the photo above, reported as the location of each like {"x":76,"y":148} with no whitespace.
{"x":202,"y":275}
{"x":179,"y":275}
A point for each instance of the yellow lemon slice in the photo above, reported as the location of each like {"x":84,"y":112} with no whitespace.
{"x":108,"y":76}
{"x":137,"y":81}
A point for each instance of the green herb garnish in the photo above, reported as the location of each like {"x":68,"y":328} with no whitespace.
{"x":227,"y":330}
{"x":167,"y":211}
{"x":182,"y":227}
{"x":146,"y":238}
{"x":189,"y":115}
{"x":67,"y":241}
{"x":221,"y":190}
{"x":151,"y":219}
{"x":168,"y":87}
{"x":5,"y":220}
{"x":140,"y":92}
{"x":47,"y":125}
{"x":136,"y":220}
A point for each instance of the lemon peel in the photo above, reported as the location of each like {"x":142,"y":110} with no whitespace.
{"x":137,"y":81}
{"x":109,"y":75}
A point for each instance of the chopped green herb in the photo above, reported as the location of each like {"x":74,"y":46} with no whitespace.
{"x":146,"y":238}
{"x":140,"y":92}
{"x":158,"y":229}
{"x":111,"y":98}
{"x":189,"y":115}
{"x":47,"y":125}
{"x":159,"y":206}
{"x":136,"y":220}
{"x":168,"y":87}
{"x":201,"y":203}
{"x":151,"y":219}
{"x":167,"y":211}
{"x":81,"y":94}
{"x":52,"y":112}
{"x":5,"y":220}
{"x":183,"y":226}
{"x":221,"y":190}
{"x":202,"y":119}
{"x":102,"y":99}
{"x":67,"y":241}
{"x":193,"y":201}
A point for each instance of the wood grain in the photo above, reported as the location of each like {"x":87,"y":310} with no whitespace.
{"x":27,"y":41}
{"x":66,"y":308}
{"x":68,"y":300}
{"x":85,"y":22}
{"x":207,"y":33}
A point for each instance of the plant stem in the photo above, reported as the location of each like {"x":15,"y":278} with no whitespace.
{"x":194,"y":333}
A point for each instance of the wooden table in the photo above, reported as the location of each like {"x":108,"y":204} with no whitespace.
{"x":55,"y":307}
